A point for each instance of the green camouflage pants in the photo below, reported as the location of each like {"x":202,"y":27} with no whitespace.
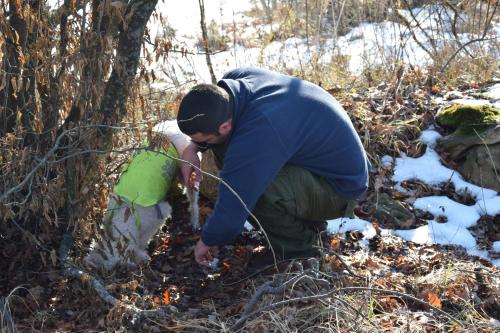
{"x":293,"y":208}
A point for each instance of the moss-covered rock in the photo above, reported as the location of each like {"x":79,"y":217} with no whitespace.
{"x":477,"y":157}
{"x":391,"y":213}
{"x":468,"y":119}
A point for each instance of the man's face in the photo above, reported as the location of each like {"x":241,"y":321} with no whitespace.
{"x":204,"y":141}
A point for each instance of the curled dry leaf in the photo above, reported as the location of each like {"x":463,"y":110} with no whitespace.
{"x":434,"y":300}
{"x":336,"y":265}
{"x":166,"y":297}
{"x":335,"y":244}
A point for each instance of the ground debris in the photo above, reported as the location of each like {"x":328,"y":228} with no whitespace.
{"x":399,"y":284}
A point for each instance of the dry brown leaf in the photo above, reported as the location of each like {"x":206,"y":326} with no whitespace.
{"x":370,"y":263}
{"x":457,"y":292}
{"x":336,"y":265}
{"x":388,"y":304}
{"x":166,"y":297}
{"x":355,"y":235}
{"x":434,"y":300}
{"x":381,"y":129}
{"x":399,"y":195}
{"x":13,"y":82}
{"x":85,"y":278}
{"x":386,"y":323}
{"x":377,"y":228}
{"x":406,"y":267}
{"x":335,"y":244}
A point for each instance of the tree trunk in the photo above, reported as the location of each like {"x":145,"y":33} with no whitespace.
{"x":54,"y":179}
{"x":205,"y":40}
{"x":113,"y":105}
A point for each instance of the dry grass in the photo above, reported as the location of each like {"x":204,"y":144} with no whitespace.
{"x":378,"y":299}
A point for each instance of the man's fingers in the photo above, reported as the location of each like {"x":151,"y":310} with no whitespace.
{"x":194,"y":183}
{"x":190,"y":174}
{"x":186,"y":175}
{"x":198,"y":258}
{"x":202,"y":260}
{"x":203,"y":254}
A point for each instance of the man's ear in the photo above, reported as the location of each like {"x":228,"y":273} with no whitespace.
{"x":225,"y":127}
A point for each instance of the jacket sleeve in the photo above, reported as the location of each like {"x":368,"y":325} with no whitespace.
{"x":244,"y":72}
{"x":253,"y":159}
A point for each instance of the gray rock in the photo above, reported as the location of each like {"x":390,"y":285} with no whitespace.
{"x":477,"y":156}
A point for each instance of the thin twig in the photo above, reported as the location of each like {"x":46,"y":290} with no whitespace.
{"x":222,"y":181}
{"x":64,"y":248}
{"x":403,"y":295}
{"x":265,"y":268}
{"x":52,"y":151}
{"x":45,"y":160}
{"x":6,"y":316}
{"x":482,"y":39}
{"x":242,"y":320}
{"x":264,"y":289}
{"x":68,"y":270}
{"x":412,"y":32}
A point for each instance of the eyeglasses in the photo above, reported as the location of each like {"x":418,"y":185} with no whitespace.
{"x":202,"y":145}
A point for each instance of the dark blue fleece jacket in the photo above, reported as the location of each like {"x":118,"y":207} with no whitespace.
{"x":281,"y":120}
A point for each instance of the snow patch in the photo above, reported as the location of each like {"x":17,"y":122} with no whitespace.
{"x":429,"y":169}
{"x":455,"y":213}
{"x":489,"y":206}
{"x":471,"y":102}
{"x":430,"y":137}
{"x":248,"y":226}
{"x":439,"y":233}
{"x":387,"y":161}
{"x":493,"y":92}
{"x":346,"y":224}
{"x":496,"y":246}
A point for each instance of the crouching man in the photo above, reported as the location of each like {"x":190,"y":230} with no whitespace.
{"x":288,"y":149}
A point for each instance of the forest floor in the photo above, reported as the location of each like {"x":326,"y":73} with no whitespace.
{"x":390,"y":285}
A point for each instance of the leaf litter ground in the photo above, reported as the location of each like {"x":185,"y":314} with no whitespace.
{"x":385,"y":285}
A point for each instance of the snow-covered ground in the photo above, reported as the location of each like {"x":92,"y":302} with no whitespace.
{"x":429,"y":169}
{"x":365,"y":46}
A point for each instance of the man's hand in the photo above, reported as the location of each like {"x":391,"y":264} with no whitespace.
{"x":190,"y":175}
{"x":203,"y":254}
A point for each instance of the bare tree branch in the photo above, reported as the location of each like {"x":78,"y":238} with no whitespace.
{"x":204,"y":34}
{"x":482,"y":39}
{"x":6,"y":320}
